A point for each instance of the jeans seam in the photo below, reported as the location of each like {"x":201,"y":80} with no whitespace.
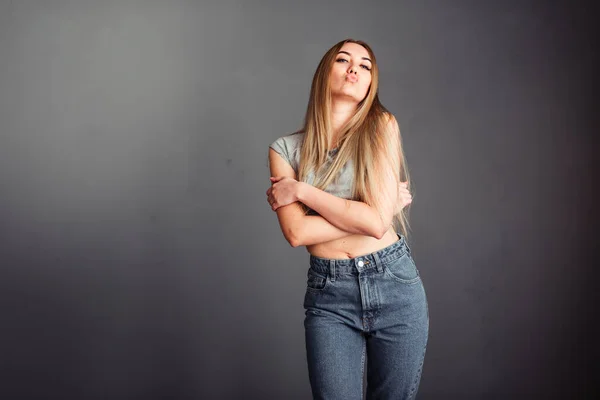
{"x":327,"y":283}
{"x":400,"y":280}
{"x":394,"y":256}
{"x":362,"y":367}
{"x":418,"y":376}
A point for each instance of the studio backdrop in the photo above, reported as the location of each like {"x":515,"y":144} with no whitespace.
{"x":140,"y":259}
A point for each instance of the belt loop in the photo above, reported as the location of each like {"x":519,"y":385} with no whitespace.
{"x":378,"y":262}
{"x":332,"y":270}
{"x":405,"y":243}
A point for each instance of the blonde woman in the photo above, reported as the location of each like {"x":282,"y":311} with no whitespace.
{"x":339,"y":187}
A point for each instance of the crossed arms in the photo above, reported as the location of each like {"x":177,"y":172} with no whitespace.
{"x":338,"y":217}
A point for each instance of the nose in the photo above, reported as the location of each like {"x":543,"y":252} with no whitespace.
{"x":352,"y":70}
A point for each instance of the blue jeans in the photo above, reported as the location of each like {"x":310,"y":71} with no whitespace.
{"x":373,"y":305}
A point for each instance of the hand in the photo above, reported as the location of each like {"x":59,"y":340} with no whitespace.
{"x":283,"y":191}
{"x":404,"y":197}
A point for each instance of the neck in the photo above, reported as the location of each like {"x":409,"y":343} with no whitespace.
{"x":341,"y":112}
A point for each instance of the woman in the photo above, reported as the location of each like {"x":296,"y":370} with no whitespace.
{"x":338,"y":187}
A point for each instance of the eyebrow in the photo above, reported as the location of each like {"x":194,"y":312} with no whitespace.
{"x":364,"y":58}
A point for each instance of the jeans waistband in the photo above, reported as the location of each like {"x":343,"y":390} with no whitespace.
{"x":352,"y":266}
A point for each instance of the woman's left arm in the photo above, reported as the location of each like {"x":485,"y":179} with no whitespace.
{"x":348,"y":215}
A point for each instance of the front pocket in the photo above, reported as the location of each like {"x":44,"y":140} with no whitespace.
{"x":402,"y":269}
{"x":316,"y":281}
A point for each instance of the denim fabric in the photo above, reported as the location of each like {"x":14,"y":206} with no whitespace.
{"x":371,"y":306}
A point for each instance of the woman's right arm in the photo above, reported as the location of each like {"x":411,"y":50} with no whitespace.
{"x":300,"y":229}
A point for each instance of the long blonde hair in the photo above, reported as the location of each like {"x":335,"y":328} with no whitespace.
{"x":360,"y":140}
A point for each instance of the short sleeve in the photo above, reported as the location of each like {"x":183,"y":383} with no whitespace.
{"x":281,"y":147}
{"x":288,"y":148}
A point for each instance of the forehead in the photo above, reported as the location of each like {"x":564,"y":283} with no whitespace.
{"x":355,"y":49}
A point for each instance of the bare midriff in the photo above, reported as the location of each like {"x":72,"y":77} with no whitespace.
{"x":353,"y":245}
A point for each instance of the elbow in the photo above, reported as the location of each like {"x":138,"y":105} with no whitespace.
{"x":380,"y":230}
{"x":295,"y":242}
{"x":378,"y":234}
{"x":293,"y":237}
{"x":379,"y":224}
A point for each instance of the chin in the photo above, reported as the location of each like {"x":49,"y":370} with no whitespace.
{"x":349,"y":95}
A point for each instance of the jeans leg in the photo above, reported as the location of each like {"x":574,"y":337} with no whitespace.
{"x":394,"y":362}
{"x":335,"y":354}
{"x":396,"y":347}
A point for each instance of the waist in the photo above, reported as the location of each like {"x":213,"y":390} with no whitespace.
{"x":355,"y":264}
{"x":352,"y":246}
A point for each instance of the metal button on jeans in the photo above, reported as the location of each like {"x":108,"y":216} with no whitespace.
{"x":361,"y":263}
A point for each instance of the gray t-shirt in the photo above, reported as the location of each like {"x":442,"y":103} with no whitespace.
{"x":289,"y":148}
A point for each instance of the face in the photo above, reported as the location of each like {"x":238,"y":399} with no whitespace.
{"x":351,"y":73}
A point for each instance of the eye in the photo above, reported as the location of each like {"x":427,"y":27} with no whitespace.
{"x":341,"y":60}
{"x":366,"y":67}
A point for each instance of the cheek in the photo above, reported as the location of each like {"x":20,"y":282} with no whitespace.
{"x":336,"y":77}
{"x":365,"y":87}
{"x":338,"y":70}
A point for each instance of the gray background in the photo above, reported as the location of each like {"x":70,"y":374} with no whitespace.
{"x":140,"y":259}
